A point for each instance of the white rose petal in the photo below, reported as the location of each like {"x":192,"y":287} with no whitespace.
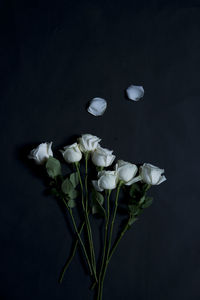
{"x":72,"y":153}
{"x":135,"y":179}
{"x":88,"y":142}
{"x":162,"y":179}
{"x":151,"y":174}
{"x":102,"y":157}
{"x":41,"y":153}
{"x":96,"y":186}
{"x":126,"y":171}
{"x":135,"y":92}
{"x":97,"y":106}
{"x":107,"y":181}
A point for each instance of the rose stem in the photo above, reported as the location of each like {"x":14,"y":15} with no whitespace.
{"x":87,"y":222}
{"x":77,"y":232}
{"x":87,"y":215}
{"x":105,"y":241}
{"x":81,"y":184}
{"x":110,"y":239}
{"x":126,"y":227}
{"x":66,"y":266}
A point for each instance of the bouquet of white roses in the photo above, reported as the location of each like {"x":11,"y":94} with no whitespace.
{"x":93,"y":194}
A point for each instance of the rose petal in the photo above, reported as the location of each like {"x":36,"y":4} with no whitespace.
{"x":135,"y":179}
{"x":135,"y":92}
{"x":162,"y":179}
{"x":96,"y":186}
{"x":97,"y":106}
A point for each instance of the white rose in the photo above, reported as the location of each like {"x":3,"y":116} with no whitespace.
{"x":41,"y":153}
{"x":126,"y":172}
{"x":88,"y":142}
{"x":151,"y":174}
{"x":72,"y":153}
{"x":107,"y":180}
{"x":102,"y":157}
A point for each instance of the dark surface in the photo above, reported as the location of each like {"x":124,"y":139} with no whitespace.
{"x":57,"y":55}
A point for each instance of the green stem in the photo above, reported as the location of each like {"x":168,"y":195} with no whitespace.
{"x":81,"y":184}
{"x":114,"y":216}
{"x":93,"y":285}
{"x":109,"y":242}
{"x":66,"y":266}
{"x":86,"y":181}
{"x":79,"y":237}
{"x":87,"y":217}
{"x":126,"y":227}
{"x":89,"y":232}
{"x":105,"y":243}
{"x":148,"y":187}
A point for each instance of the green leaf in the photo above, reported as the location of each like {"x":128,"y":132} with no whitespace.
{"x":74,"y":179}
{"x":68,"y":189}
{"x":53,"y":167}
{"x":100,"y":198}
{"x":135,"y":188}
{"x":148,"y":202}
{"x":140,"y":210}
{"x":67,"y":186}
{"x":97,"y":203}
{"x":145,"y":187}
{"x":142,"y":199}
{"x":99,"y":169}
{"x":55,"y":192}
{"x":96,"y":209}
{"x":71,"y":203}
{"x":132,"y":220}
{"x":73,"y":194}
{"x":133,"y":208}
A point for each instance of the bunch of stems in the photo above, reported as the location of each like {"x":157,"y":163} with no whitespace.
{"x":108,"y":234}
{"x":90,"y":258}
{"x":107,"y":251}
{"x":85,"y":207}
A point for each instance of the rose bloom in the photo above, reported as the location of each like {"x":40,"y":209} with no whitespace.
{"x":126,"y":172}
{"x":102,"y":157}
{"x":88,"y":142}
{"x":72,"y":153}
{"x":151,"y":174}
{"x":41,"y":153}
{"x":107,"y":180}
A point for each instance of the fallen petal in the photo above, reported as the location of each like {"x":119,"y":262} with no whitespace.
{"x":97,"y":106}
{"x":135,"y":92}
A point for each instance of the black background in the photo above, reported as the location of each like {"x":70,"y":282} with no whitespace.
{"x":55,"y":57}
